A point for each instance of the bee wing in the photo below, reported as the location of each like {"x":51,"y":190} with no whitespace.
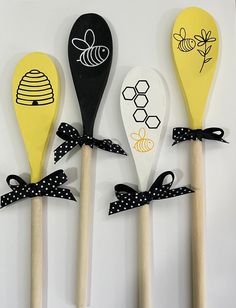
{"x":79,"y":44}
{"x":182,"y":33}
{"x":142,"y":132}
{"x":177,"y":37}
{"x":89,"y":37}
{"x":135,"y":136}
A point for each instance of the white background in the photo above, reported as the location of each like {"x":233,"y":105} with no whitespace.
{"x":141,"y":32}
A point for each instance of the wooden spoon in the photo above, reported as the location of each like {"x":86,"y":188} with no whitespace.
{"x":143,"y":105}
{"x":90,"y":56}
{"x":35,"y":91}
{"x":195,"y":44}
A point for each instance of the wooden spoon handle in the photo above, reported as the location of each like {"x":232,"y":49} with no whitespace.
{"x":85,"y":217}
{"x":37,"y":252}
{"x":145,"y":259}
{"x":198,"y":221}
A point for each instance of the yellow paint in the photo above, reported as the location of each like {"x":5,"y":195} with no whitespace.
{"x":195,"y":80}
{"x":143,"y":144}
{"x":35,"y":93}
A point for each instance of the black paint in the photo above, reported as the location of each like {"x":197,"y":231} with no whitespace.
{"x":90,"y":81}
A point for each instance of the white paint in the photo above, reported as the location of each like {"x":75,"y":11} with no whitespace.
{"x":143,"y":137}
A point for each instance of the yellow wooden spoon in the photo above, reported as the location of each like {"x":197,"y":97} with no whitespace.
{"x":36,"y":96}
{"x":195,"y":44}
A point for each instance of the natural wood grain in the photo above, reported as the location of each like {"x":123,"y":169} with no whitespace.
{"x":198,"y":223}
{"x":37,"y":252}
{"x":145,"y":258}
{"x":85,"y":217}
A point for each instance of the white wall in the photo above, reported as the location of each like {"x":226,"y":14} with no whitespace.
{"x":141,"y":32}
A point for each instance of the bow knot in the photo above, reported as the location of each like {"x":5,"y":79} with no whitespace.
{"x":48,"y":186}
{"x":72,"y":138}
{"x":181,"y":134}
{"x":32,"y":190}
{"x":128,"y":198}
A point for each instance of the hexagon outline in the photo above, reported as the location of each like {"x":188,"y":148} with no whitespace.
{"x":143,"y":111}
{"x":125,"y":97}
{"x":137,"y":96}
{"x":152,"y":116}
{"x":143,"y":81}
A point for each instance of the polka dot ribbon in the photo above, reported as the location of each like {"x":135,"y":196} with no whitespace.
{"x":48,"y":186}
{"x":181,"y":134}
{"x":73,"y":138}
{"x":128,"y":198}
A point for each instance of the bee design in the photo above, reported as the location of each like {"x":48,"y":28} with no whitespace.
{"x":143,"y":143}
{"x":186,"y":44}
{"x":91,"y":55}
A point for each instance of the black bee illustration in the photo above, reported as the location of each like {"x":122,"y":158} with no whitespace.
{"x":185,"y":43}
{"x":92,"y":55}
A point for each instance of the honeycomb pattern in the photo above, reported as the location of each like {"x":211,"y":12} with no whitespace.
{"x":141,"y":100}
{"x":129,"y":93}
{"x":140,"y":115}
{"x":152,"y":122}
{"x":138,"y":95}
{"x":142,"y":86}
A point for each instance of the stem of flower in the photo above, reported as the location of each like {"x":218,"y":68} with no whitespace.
{"x":204,"y":58}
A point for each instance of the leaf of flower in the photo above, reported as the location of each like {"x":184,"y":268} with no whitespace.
{"x":204,"y":35}
{"x":208,"y":34}
{"x":201,"y":44}
{"x":211,"y":39}
{"x":207,"y":60}
{"x":208,"y":49}
{"x":201,"y":52}
{"x":199,"y":38}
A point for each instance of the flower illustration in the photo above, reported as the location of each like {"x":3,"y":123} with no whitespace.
{"x":202,"y":40}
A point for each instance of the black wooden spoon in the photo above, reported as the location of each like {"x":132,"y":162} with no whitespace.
{"x":90,"y":56}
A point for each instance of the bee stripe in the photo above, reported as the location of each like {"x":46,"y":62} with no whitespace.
{"x":86,"y":57}
{"x":99,"y":56}
{"x":96,"y":59}
{"x":96,"y":55}
{"x":92,"y":56}
{"x":185,"y":45}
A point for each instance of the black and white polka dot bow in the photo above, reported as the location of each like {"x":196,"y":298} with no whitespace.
{"x":48,"y":186}
{"x":73,"y":138}
{"x":128,"y":198}
{"x":181,"y":134}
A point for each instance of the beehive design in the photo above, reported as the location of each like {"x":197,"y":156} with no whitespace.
{"x":34,"y":89}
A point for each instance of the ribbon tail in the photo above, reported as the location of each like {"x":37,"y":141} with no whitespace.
{"x":10,"y":198}
{"x":223,"y":140}
{"x":63,"y":193}
{"x":180,"y":191}
{"x":62,"y":150}
{"x":116,"y":207}
{"x":119,"y":206}
{"x":108,"y":145}
{"x":119,"y":149}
